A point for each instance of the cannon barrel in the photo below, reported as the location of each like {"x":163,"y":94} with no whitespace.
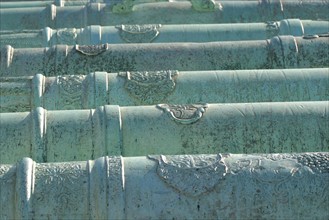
{"x":199,"y":12}
{"x":278,"y":52}
{"x":217,"y":186}
{"x":153,"y":87}
{"x":157,"y":33}
{"x":277,"y":127}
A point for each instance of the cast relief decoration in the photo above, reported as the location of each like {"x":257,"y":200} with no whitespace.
{"x":280,"y":174}
{"x":317,"y":162}
{"x":139,"y":33}
{"x":7,"y":174}
{"x":70,"y":91}
{"x":150,"y":87}
{"x":115,"y":176}
{"x":272,"y":29}
{"x":275,"y":168}
{"x":184,"y":114}
{"x":192,"y":175}
{"x":67,"y":36}
{"x":60,"y":183}
{"x":91,"y":50}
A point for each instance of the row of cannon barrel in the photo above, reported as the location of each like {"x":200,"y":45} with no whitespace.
{"x":154,"y":109}
{"x":164,"y":33}
{"x":180,"y":12}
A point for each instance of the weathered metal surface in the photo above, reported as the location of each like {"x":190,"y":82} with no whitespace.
{"x":180,"y":13}
{"x":165,"y":128}
{"x":153,"y":87}
{"x":222,"y":186}
{"x":278,"y":52}
{"x":44,"y":3}
{"x":157,"y":33}
{"x":36,"y":3}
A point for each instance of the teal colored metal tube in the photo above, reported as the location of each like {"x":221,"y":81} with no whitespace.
{"x":180,"y":13}
{"x":215,"y":186}
{"x":278,"y":52}
{"x":19,"y":94}
{"x":157,"y":33}
{"x":68,"y":135}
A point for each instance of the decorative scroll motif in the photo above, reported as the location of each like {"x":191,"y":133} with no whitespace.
{"x":184,"y":114}
{"x":272,"y":29}
{"x":115,"y":174}
{"x":60,"y":183}
{"x":7,"y":173}
{"x":289,"y":165}
{"x":67,"y":36}
{"x":259,"y":164}
{"x":91,"y":50}
{"x":280,"y":174}
{"x":70,"y":90}
{"x":317,"y":162}
{"x":139,"y":33}
{"x":205,"y":5}
{"x":150,"y":87}
{"x":4,"y":169}
{"x":192,"y":175}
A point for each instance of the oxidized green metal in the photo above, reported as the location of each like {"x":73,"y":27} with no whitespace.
{"x":278,"y":52}
{"x":165,"y":129}
{"x":157,"y":33}
{"x":182,"y":186}
{"x":153,"y":87}
{"x":194,"y":12}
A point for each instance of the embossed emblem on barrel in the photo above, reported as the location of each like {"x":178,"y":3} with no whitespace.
{"x":192,"y":175}
{"x":150,"y":87}
{"x":91,"y":50}
{"x":139,"y":33}
{"x":70,"y":90}
{"x":272,"y":29}
{"x":184,"y":114}
{"x":7,"y":174}
{"x":66,"y":36}
{"x":318,"y":162}
{"x":60,"y":182}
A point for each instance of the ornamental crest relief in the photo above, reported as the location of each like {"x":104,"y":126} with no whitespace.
{"x":70,"y":91}
{"x":272,"y":29}
{"x":184,"y":114}
{"x":149,"y":87}
{"x":139,"y":33}
{"x":91,"y":50}
{"x":192,"y":175}
{"x":67,"y":36}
